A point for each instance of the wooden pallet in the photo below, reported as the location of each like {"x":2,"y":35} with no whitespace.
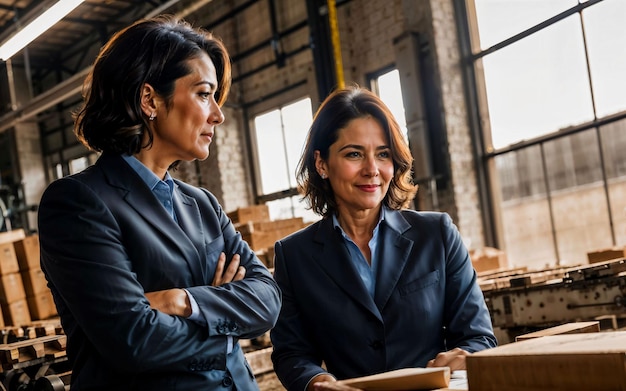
{"x":48,"y":347}
{"x":260,"y":361}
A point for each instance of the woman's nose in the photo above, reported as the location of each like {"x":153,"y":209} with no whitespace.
{"x":370,"y":168}
{"x":216,"y":116}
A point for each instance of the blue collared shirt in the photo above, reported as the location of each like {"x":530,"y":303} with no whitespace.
{"x":163,"y":189}
{"x":366,"y":271}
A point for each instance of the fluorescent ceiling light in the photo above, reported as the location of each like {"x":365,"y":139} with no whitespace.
{"x":35,"y":28}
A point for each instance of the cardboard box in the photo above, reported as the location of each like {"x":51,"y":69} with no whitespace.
{"x":8,"y":259}
{"x":261,"y":235}
{"x":606,"y":254}
{"x":12,"y":236}
{"x":27,"y":251}
{"x":570,"y":362}
{"x":260,"y":240}
{"x":488,"y":258}
{"x":16,"y":313}
{"x":34,"y":281}
{"x":11,"y":288}
{"x":290,"y":225}
{"x":269,"y":255}
{"x":266,"y":256}
{"x":250,"y":213}
{"x":41,"y":306}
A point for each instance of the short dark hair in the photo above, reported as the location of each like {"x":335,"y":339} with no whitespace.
{"x":154,"y":51}
{"x":334,"y":114}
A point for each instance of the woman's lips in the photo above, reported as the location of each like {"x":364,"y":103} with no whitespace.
{"x":368,"y":188}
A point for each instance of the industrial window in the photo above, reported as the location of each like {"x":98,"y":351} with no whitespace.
{"x":387,"y":86}
{"x":549,"y":88}
{"x":280,"y":135}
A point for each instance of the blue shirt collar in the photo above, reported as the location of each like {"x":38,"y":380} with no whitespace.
{"x":147,"y":175}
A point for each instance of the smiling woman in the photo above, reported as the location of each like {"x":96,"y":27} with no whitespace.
{"x":403,"y":278}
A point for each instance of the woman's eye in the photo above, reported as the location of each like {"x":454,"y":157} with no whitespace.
{"x":353,"y":154}
{"x":205,"y":95}
{"x":384,"y":155}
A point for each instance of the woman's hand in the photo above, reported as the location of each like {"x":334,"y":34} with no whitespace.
{"x":325,"y":382}
{"x":176,"y":301}
{"x":234,"y":272}
{"x":333,"y":386}
{"x":170,"y":301}
{"x":455,"y":359}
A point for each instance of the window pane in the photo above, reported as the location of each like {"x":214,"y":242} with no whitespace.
{"x":296,"y":120}
{"x":573,"y":161}
{"x":613,"y":147}
{"x":271,"y":151}
{"x":525,"y":209}
{"x":280,"y":136}
{"x":390,"y":91}
{"x":538,"y":85}
{"x":77,"y":165}
{"x":521,"y":174}
{"x":606,"y":39}
{"x":581,"y":219}
{"x":502,"y":19}
{"x":286,"y":208}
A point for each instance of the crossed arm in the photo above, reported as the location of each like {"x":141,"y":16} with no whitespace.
{"x":176,"y":302}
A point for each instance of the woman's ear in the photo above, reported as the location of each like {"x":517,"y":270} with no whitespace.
{"x":148,"y":101}
{"x":320,"y":164}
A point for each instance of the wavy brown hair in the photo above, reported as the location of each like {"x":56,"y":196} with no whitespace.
{"x":154,"y":51}
{"x":333,"y":115}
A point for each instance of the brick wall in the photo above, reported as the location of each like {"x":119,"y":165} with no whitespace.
{"x":435,"y":19}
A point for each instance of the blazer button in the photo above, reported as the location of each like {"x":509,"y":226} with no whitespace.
{"x":227,"y":381}
{"x":377,"y":345}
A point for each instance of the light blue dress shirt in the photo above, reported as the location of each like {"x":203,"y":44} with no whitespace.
{"x":162,"y":189}
{"x":366,"y":271}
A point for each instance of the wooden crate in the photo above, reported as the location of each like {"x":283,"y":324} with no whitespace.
{"x":8,"y":259}
{"x":27,"y":252}
{"x":606,"y":254}
{"x":34,"y":281}
{"x":12,"y":236}
{"x":488,"y":258}
{"x":16,"y":313}
{"x":262,"y":235}
{"x":11,"y":288}
{"x":567,"y":328}
{"x":250,"y":213}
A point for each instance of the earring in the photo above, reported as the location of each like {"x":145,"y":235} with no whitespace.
{"x":152,"y":117}
{"x":323,"y":175}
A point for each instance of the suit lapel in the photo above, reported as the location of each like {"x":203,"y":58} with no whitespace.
{"x":139,"y":197}
{"x":393,"y":256}
{"x":190,"y":221}
{"x":335,"y":260}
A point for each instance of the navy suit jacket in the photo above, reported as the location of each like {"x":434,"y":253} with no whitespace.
{"x":105,"y":240}
{"x":426,"y":300}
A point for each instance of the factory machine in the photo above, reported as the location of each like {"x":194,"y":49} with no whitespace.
{"x":521,"y":301}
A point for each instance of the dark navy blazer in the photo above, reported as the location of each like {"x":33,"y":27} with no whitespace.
{"x":426,"y":300}
{"x":105,"y":240}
